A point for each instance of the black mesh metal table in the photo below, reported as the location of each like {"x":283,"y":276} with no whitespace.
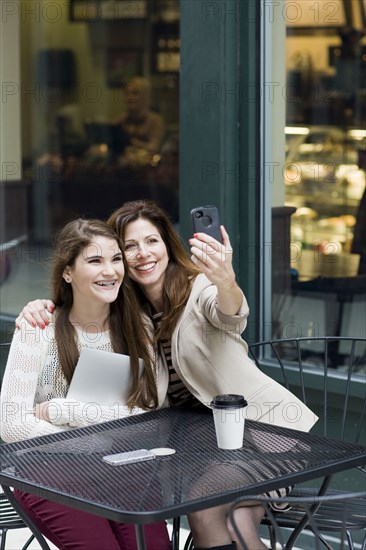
{"x":67,"y":467}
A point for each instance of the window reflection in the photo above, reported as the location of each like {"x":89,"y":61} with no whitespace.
{"x":100,"y":119}
{"x":108,"y":134}
{"x":324,"y":292}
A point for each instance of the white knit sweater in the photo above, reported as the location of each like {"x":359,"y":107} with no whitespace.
{"x":33,"y":375}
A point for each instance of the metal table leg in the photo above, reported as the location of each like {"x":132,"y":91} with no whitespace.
{"x":175,"y":533}
{"x":140,"y":539}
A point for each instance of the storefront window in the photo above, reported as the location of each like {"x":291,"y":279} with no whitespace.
{"x":99,"y":121}
{"x":324,"y":175}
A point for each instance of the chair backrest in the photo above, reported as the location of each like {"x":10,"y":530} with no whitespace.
{"x":334,"y":512}
{"x":9,"y":519}
{"x":326,"y":373}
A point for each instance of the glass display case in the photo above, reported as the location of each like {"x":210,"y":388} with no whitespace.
{"x":325,"y":181}
{"x":324,"y":177}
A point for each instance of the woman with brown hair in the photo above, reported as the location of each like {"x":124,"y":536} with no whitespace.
{"x":95,"y":307}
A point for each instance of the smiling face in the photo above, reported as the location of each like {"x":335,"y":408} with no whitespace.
{"x":97,"y":273}
{"x":147,"y":257}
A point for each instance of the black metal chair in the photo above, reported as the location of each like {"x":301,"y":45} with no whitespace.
{"x":189,"y":542}
{"x":11,"y":515}
{"x":9,"y":519}
{"x":15,"y":518}
{"x":304,"y":365}
{"x":314,"y":517}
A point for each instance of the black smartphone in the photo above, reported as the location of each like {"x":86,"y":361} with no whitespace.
{"x":205,"y":219}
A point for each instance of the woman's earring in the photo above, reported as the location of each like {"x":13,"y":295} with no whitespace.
{"x":68,"y":279}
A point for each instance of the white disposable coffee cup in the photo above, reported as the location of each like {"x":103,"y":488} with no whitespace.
{"x":229,"y":417}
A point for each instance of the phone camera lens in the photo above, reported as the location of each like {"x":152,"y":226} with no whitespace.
{"x":198,"y":214}
{"x":206,"y":221}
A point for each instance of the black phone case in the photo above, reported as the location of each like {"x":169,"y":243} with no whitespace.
{"x":205,"y":219}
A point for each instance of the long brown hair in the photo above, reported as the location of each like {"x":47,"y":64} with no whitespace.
{"x":180,"y":271}
{"x":127,"y":330}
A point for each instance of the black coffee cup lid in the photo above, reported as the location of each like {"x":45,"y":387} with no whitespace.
{"x":229,"y":400}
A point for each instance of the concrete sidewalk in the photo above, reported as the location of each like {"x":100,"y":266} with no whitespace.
{"x":16,"y":538}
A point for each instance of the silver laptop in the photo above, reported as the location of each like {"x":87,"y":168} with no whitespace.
{"x":101,"y":377}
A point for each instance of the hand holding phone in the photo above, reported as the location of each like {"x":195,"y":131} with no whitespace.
{"x":205,"y":219}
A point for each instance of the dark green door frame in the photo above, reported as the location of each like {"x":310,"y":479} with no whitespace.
{"x":220,"y":127}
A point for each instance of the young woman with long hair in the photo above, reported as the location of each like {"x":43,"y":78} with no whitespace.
{"x":95,"y":307}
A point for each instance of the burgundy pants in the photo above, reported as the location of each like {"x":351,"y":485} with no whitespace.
{"x":71,"y":529}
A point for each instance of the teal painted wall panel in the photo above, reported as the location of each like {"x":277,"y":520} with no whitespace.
{"x":219,"y":128}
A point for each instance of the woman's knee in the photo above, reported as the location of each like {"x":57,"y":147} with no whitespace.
{"x":246,"y":517}
{"x":205,"y":519}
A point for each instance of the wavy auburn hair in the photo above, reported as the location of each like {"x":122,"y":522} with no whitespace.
{"x":127,"y":330}
{"x":180,"y":271}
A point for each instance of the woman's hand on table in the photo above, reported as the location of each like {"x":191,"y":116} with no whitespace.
{"x":41,"y":411}
{"x":36,"y":313}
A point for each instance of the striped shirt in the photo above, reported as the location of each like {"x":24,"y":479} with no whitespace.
{"x":178,"y":394}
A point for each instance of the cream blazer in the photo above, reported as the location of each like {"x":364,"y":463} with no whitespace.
{"x":211,"y":358}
